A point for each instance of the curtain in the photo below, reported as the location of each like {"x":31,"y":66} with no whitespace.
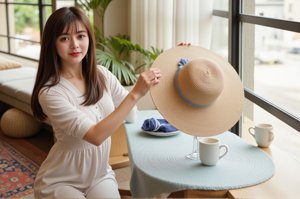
{"x":164,"y":23}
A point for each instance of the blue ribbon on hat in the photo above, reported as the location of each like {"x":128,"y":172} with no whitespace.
{"x":158,"y":125}
{"x":182,"y":62}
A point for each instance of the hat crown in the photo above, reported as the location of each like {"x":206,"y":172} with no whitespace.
{"x":200,"y":81}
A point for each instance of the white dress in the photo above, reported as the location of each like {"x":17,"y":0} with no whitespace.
{"x":72,"y":160}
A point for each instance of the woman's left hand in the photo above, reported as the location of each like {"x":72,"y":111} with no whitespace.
{"x":146,"y":79}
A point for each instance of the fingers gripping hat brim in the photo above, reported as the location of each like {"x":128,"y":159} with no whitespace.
{"x":213,"y":119}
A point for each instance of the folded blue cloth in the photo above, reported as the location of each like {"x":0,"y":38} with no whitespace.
{"x":158,"y":125}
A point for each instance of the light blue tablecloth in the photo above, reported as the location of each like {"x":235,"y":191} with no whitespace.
{"x":159,"y":164}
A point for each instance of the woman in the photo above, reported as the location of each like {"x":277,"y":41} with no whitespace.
{"x":84,"y":104}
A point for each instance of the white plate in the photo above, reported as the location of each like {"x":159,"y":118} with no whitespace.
{"x":161,"y":134}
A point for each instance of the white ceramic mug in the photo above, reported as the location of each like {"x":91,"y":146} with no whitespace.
{"x":209,"y":151}
{"x":132,"y":115}
{"x":263,"y":134}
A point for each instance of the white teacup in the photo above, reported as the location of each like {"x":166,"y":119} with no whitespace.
{"x":132,"y":115}
{"x":263,"y":134}
{"x":209,"y":151}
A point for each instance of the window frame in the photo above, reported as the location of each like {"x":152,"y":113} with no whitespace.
{"x":235,"y":19}
{"x":41,"y":6}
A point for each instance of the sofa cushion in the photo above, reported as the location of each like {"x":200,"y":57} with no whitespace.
{"x":8,"y":64}
{"x":17,"y":74}
{"x":20,"y":89}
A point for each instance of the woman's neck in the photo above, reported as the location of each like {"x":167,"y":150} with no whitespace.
{"x":71,"y":72}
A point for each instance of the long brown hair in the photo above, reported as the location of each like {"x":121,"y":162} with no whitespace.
{"x":49,"y":62}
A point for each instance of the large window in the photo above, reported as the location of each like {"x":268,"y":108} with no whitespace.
{"x":21,"y":22}
{"x":264,"y":47}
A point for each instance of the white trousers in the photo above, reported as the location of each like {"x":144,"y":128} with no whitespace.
{"x":107,"y":188}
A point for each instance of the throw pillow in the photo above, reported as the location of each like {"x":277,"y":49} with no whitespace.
{"x":8,"y":64}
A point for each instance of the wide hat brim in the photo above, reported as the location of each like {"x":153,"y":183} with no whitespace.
{"x":210,"y":120}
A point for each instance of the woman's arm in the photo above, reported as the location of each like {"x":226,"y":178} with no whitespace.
{"x":106,"y":127}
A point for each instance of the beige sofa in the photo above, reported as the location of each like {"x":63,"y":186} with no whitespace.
{"x":16,"y":87}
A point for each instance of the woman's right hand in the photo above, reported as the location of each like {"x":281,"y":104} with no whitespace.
{"x":146,"y":79}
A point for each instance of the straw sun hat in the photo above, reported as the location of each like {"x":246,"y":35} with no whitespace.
{"x":202,"y":97}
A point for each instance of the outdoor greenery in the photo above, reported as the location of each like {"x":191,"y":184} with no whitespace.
{"x":27,"y":17}
{"x":114,"y":52}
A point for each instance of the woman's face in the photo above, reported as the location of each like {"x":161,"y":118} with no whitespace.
{"x":72,"y":45}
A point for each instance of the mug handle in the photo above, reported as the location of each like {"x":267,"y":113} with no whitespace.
{"x":250,"y":131}
{"x":271,"y":136}
{"x":226,"y":150}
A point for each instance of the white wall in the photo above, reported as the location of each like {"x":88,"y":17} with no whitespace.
{"x":116,"y":18}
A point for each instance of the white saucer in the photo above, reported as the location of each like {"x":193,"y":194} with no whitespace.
{"x":161,"y":134}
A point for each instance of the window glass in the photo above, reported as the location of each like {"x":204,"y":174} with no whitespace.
{"x":48,"y":12}
{"x":3,"y":27}
{"x":274,"y":70}
{"x":3,"y":42}
{"x":25,"y":48}
{"x":219,"y":43}
{"x":221,"y":5}
{"x":285,"y":137}
{"x":279,"y":9}
{"x":24,"y":22}
{"x":24,"y":26}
